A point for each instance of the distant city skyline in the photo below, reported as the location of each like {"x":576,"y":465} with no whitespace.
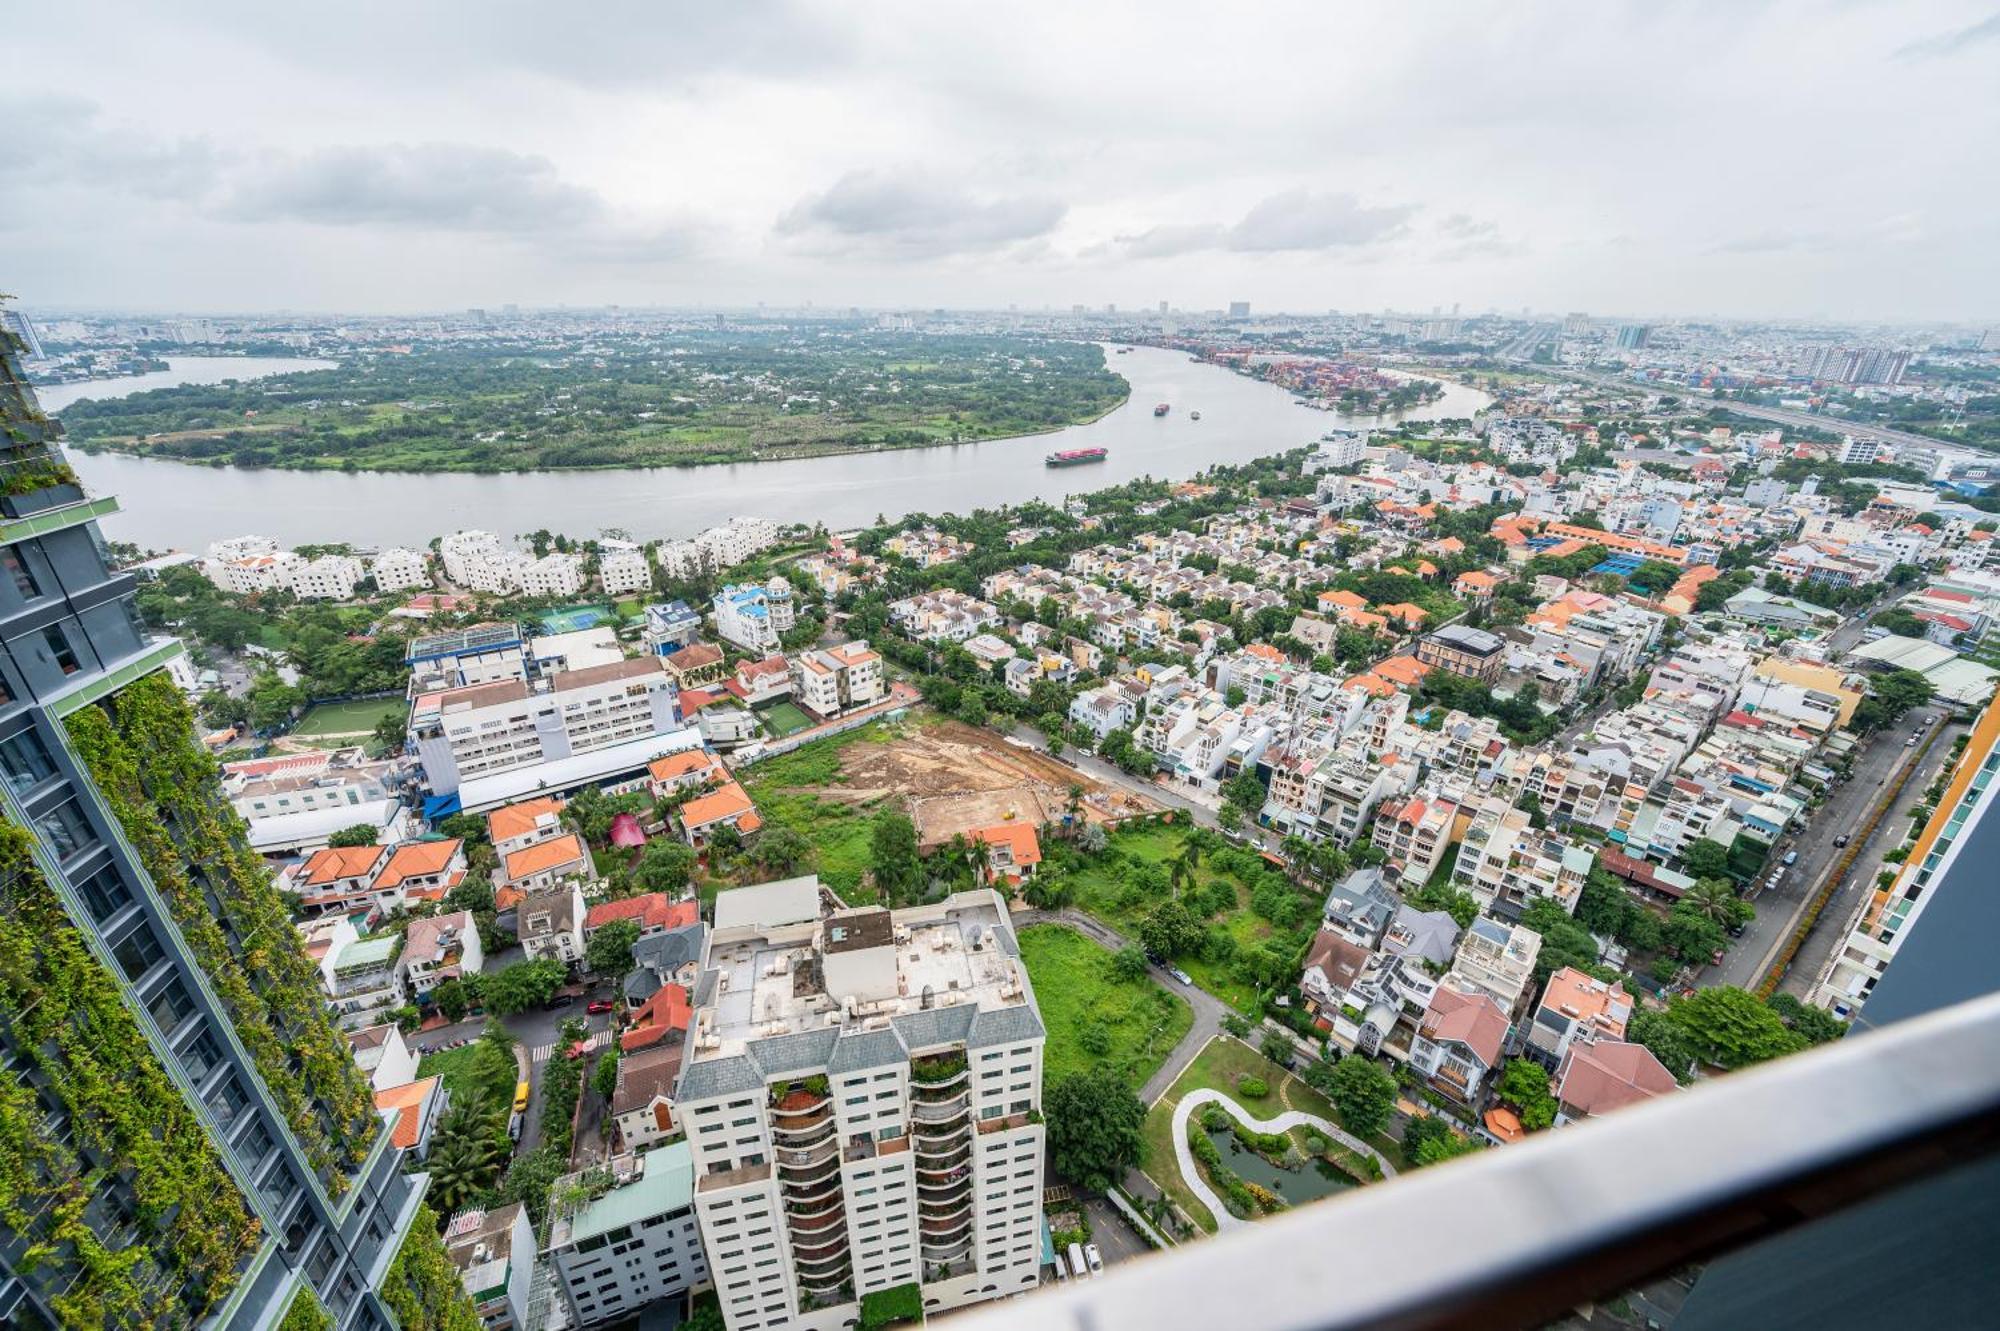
{"x":1702,"y":162}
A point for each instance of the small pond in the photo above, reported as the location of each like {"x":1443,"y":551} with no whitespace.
{"x":1315,"y":1180}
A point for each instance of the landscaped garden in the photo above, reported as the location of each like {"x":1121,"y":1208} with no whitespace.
{"x":1223,"y":915}
{"x":358,"y":716}
{"x":1264,"y":1090}
{"x":1093,"y":1016}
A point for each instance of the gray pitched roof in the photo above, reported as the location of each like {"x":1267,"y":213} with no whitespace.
{"x":936,"y":1026}
{"x":795,"y":1052}
{"x":1007,"y":1025}
{"x":867,"y":1049}
{"x":641,"y":985}
{"x":712,"y":1077}
{"x":671,"y":950}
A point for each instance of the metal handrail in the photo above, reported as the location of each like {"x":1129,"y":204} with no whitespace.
{"x":1581,"y":1212}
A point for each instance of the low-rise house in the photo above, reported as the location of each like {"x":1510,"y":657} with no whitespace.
{"x":1473,"y":653}
{"x":670,"y":626}
{"x":1415,"y":834}
{"x":515,"y":827}
{"x":384,"y":1055}
{"x":1598,"y":1076}
{"x":416,"y":1107}
{"x":728,"y":805}
{"x":839,"y":679}
{"x":762,"y":681}
{"x":663,"y":961}
{"x":1333,"y":965}
{"x":1427,"y":937}
{"x":494,"y":1252}
{"x":1013,"y":852}
{"x":439,"y":948}
{"x":642,"y":1106}
{"x":542,"y":865}
{"x":1498,"y":960}
{"x":1101,"y":710}
{"x":550,"y":925}
{"x":678,"y":773}
{"x":654,"y":912}
{"x":1459,"y":1042}
{"x":1360,"y":906}
{"x":663,"y":1016}
{"x":422,"y":870}
{"x":1576,"y":1006}
{"x":696,"y":664}
{"x":366,"y":981}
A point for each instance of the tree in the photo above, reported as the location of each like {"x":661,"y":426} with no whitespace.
{"x":1816,"y":1024}
{"x":1704,"y":858}
{"x":1184,"y":868}
{"x":892,"y":854}
{"x":1564,"y":941}
{"x":1278,"y":1048}
{"x":665,"y":866}
{"x":1431,"y":1140}
{"x":468,"y":1151}
{"x":451,"y":998}
{"x":524,"y":985}
{"x":1170,"y":930}
{"x":1245,"y":791}
{"x":1094,"y":1127}
{"x":1128,"y":963}
{"x":1731,"y":1029}
{"x":1363,"y":1092}
{"x":1525,"y":1085}
{"x":360,"y":834}
{"x":1890,"y":694}
{"x":780,"y":851}
{"x":1712,"y":899}
{"x":604,"y":1079}
{"x":609,"y":952}
{"x":1668,"y":1041}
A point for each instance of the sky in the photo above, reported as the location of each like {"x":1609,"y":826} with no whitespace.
{"x":1827,"y":160}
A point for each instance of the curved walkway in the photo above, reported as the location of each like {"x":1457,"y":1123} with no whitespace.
{"x":1285,"y":1122}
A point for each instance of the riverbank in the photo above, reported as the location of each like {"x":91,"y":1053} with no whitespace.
{"x":170,"y":506}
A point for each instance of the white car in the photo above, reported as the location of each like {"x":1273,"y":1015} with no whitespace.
{"x":1182,"y":976}
{"x":1096,"y":1259}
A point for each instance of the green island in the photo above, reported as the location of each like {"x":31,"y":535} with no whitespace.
{"x":665,"y":399}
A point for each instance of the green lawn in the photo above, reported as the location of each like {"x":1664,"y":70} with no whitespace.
{"x":459,"y":1068}
{"x":1100,"y":891}
{"x":1140,"y":1022}
{"x":1219,"y":1066}
{"x":785,"y":719}
{"x":346,"y":718}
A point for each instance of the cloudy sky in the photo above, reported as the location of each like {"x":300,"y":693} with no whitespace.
{"x":1740,"y":158}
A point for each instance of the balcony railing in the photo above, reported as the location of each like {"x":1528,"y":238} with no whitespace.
{"x":1892,"y":1118}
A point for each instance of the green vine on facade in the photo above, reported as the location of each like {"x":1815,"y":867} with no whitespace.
{"x":163,"y":788}
{"x":423,"y":1288}
{"x":64,"y":1015}
{"x":305,"y":1313}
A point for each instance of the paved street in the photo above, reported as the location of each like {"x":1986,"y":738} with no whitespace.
{"x":535,"y":1033}
{"x":1778,"y":909}
{"x":1837,"y":920}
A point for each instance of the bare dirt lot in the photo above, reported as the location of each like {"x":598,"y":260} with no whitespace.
{"x":943,"y":758}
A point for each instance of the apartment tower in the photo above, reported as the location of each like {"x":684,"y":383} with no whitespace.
{"x":862,"y":1097}
{"x":188,"y":1141}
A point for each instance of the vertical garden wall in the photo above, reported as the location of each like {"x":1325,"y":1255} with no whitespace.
{"x":154,"y":1240}
{"x":141,"y":750}
{"x":423,"y":1288}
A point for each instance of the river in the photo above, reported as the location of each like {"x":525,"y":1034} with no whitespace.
{"x":170,"y":505}
{"x":180,"y":370}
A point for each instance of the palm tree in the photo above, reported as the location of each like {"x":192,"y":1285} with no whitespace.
{"x":1298,"y":853}
{"x":1184,"y":869}
{"x":1073,"y":807}
{"x":1713,"y":899}
{"x":468,"y":1152}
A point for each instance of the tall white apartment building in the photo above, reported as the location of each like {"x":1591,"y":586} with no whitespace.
{"x":328,"y":578}
{"x":623,"y":1236}
{"x":754,"y":615}
{"x":246,"y":565}
{"x":557,"y":573}
{"x":838,"y":679}
{"x":476,"y":561}
{"x":718,"y":548}
{"x":396,"y":570}
{"x":623,"y":571}
{"x":486,"y":728}
{"x":862,"y":1099}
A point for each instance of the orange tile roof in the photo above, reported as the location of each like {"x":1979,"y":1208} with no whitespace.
{"x":1019,"y":838}
{"x":1345,"y":599}
{"x":517,"y":820}
{"x":1373,"y":685}
{"x":407,"y":1103}
{"x":1478,"y":578}
{"x":728,"y":800}
{"x":1405,"y":670}
{"x":1265,"y":651}
{"x":667,"y":1011}
{"x":418,"y":859}
{"x":677,"y":765}
{"x":653,"y":910}
{"x":546,"y":855}
{"x":337,"y":862}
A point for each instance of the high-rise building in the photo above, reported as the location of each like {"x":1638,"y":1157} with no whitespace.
{"x":862,"y":1097}
{"x":1631,"y":337}
{"x":17,"y":323}
{"x":1239,"y":309}
{"x":189,"y":1139}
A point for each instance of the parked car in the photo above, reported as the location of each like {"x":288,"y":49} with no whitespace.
{"x":1095,"y":1258}
{"x":1182,"y":976}
{"x":1791,"y":858}
{"x":597,"y":1005}
{"x":1840,"y":840}
{"x":1076,"y":1263}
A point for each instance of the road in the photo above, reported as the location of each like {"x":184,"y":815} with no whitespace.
{"x":1830,"y":931}
{"x":1778,"y":909}
{"x":535,"y":1034}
